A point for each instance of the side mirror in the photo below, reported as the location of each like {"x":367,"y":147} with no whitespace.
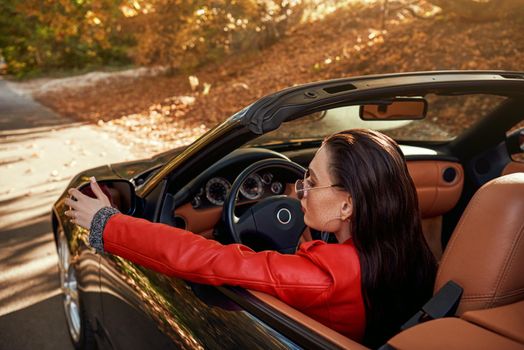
{"x":399,"y":108}
{"x":121,"y":194}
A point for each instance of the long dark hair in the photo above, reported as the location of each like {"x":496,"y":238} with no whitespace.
{"x":397,"y":266}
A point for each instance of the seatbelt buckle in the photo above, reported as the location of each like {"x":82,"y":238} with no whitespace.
{"x":443,"y":304}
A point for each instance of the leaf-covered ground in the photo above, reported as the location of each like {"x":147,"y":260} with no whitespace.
{"x":157,"y":113}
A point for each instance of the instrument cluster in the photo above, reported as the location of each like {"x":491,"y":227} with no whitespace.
{"x":255,"y":187}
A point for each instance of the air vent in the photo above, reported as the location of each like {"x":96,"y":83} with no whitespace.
{"x":339,"y":88}
{"x":449,"y":175}
{"x":180,"y":222}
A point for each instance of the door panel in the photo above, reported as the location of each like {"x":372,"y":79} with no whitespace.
{"x":144,"y":309}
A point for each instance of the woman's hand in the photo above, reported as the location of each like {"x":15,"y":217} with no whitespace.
{"x":84,"y":208}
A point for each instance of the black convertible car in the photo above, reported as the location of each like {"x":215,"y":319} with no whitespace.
{"x":458,"y":130}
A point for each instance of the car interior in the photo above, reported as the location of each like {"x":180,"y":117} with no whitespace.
{"x":484,"y":254}
{"x":473,"y":251}
{"x":470,"y":186}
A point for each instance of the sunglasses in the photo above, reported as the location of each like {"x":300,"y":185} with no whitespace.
{"x":302,"y":188}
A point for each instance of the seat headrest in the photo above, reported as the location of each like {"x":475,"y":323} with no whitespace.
{"x":486,"y":252}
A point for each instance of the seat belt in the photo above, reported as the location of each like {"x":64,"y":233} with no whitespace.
{"x":443,"y":304}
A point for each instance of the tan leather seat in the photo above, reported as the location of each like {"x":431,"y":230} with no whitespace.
{"x":451,"y":333}
{"x":486,"y":257}
{"x":486,"y":252}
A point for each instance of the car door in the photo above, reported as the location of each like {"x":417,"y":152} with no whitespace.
{"x":145,"y":309}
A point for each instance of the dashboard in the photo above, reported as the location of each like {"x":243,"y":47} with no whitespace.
{"x":198,"y":206}
{"x":257,"y":186}
{"x":209,"y":189}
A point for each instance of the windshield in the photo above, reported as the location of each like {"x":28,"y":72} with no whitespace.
{"x":447,"y":117}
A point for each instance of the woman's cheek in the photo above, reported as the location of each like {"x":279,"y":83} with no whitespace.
{"x":315,"y":213}
{"x":306,"y":220}
{"x":311,"y":221}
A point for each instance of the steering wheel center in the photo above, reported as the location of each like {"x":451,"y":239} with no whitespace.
{"x":284,"y":216}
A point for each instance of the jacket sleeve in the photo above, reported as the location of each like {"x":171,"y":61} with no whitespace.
{"x":295,"y":279}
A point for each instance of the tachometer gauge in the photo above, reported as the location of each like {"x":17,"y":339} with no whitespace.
{"x":252,"y":188}
{"x":217,"y":189}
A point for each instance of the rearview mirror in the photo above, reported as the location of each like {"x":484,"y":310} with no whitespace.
{"x":121,"y":194}
{"x":400,"y":108}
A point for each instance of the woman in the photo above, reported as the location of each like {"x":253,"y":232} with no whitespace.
{"x":358,"y":187}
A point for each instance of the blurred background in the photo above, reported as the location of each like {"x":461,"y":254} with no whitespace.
{"x":158,"y":73}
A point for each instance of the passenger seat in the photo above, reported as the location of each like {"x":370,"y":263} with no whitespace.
{"x":485,"y":256}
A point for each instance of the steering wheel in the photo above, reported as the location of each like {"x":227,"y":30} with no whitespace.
{"x":277,"y":219}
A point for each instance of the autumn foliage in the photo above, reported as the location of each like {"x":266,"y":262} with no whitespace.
{"x":483,"y":10}
{"x":164,"y":111}
{"x":41,"y":35}
{"x":185,"y":34}
{"x":46,"y":35}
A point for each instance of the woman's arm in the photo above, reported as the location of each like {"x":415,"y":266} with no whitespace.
{"x":295,"y":279}
{"x":180,"y":253}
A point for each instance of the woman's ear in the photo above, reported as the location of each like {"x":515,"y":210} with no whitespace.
{"x":347,"y":208}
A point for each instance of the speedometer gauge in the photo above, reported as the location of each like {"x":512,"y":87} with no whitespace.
{"x":217,"y":189}
{"x":252,"y":188}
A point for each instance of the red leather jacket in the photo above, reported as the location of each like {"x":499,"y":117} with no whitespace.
{"x":321,"y":280}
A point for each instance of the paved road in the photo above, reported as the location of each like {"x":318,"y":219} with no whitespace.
{"x":39,"y":152}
